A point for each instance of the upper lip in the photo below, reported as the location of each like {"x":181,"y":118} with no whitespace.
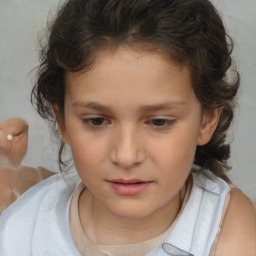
{"x":131,"y":181}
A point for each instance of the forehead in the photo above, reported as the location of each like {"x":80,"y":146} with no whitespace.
{"x":132,"y":58}
{"x":127,"y":72}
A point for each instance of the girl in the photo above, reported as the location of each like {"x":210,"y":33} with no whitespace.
{"x":140,"y":93}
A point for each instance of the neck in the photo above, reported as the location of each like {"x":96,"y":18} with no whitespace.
{"x":103,"y":227}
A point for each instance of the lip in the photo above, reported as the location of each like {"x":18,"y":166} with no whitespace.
{"x":129,"y":187}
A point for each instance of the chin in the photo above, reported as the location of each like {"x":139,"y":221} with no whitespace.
{"x":130,"y":211}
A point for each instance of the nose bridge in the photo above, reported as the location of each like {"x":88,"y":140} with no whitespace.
{"x":128,"y":150}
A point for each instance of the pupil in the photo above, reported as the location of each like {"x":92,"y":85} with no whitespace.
{"x":97,"y":121}
{"x":159,"y":122}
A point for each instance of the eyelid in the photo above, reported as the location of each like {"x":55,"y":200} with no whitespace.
{"x":93,"y":116}
{"x":158,"y":117}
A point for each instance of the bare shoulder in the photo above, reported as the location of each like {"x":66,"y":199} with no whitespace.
{"x":238,"y":230}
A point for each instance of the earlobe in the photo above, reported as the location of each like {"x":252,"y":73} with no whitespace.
{"x":61,"y":123}
{"x":210,"y":121}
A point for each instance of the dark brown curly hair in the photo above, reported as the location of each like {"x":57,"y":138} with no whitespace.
{"x":190,"y":32}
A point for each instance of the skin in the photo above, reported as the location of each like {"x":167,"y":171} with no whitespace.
{"x":11,"y":154}
{"x":5,"y":144}
{"x":16,"y":149}
{"x":111,"y":123}
{"x":238,"y":232}
{"x":8,"y":182}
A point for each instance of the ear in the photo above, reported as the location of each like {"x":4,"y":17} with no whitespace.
{"x":61,"y":123}
{"x":210,"y":121}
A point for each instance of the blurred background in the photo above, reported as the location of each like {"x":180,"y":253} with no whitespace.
{"x":21,"y":20}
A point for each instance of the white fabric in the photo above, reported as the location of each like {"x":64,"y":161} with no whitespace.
{"x":198,"y":225}
{"x":38,"y":223}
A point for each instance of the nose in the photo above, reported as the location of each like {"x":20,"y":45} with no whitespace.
{"x":127,"y":148}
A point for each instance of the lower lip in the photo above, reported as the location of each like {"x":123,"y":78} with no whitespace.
{"x":129,"y":189}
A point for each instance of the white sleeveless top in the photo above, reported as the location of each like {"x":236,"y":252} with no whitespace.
{"x":38,"y":222}
{"x":199,"y":223}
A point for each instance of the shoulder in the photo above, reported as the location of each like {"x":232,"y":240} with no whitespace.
{"x":29,"y":203}
{"x":29,"y":176}
{"x":35,"y":213}
{"x":238,"y":230}
{"x":44,"y":194}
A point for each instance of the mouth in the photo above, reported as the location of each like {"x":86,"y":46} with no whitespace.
{"x":129,"y":187}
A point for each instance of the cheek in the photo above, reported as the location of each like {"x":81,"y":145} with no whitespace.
{"x":180,"y":147}
{"x":88,"y":156}
{"x":176,"y":163}
{"x":86,"y":148}
{"x":175,"y":158}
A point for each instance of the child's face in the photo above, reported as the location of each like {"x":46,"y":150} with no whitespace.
{"x":133,"y":123}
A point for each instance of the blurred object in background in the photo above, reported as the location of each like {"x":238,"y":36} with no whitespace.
{"x":16,"y":178}
{"x":13,"y":140}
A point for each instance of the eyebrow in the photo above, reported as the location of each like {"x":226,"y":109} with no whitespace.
{"x":91,"y":105}
{"x":146,"y":108}
{"x":163,"y":106}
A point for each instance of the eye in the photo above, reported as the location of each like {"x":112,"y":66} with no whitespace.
{"x":95,"y":122}
{"x":161,"y":123}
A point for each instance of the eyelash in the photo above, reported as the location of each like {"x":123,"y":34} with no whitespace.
{"x":89,"y":121}
{"x":164,"y":123}
{"x":101,"y":121}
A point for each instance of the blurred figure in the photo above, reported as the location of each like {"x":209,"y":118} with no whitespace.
{"x":15,"y":178}
{"x":14,"y":140}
